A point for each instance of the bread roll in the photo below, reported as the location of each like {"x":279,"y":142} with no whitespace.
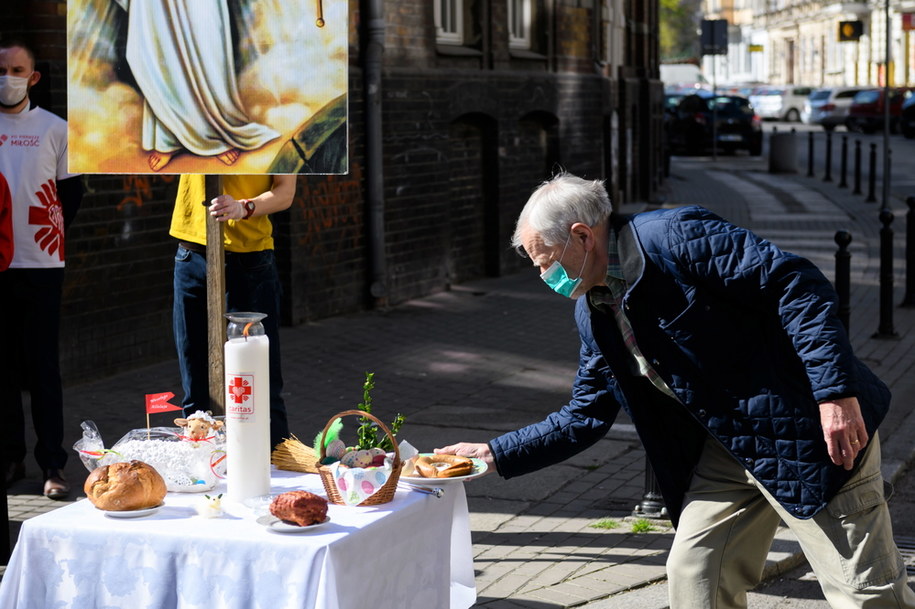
{"x":122,"y":487}
{"x":443,"y":466}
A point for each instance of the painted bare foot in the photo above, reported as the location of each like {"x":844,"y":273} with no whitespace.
{"x":158,"y":160}
{"x":229,"y":156}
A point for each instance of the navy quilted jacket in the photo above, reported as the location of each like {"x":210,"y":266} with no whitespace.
{"x":746,"y":336}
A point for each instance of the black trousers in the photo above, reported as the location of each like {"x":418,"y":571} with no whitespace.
{"x":30,"y":361}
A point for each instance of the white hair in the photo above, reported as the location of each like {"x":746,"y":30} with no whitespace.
{"x":559,"y":203}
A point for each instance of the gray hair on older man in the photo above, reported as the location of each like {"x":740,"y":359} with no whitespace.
{"x":560,"y":202}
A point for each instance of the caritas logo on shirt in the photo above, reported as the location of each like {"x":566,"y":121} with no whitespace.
{"x":49,"y":218}
{"x":25,"y":141}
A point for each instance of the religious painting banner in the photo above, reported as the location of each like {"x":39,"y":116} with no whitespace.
{"x":208,"y":86}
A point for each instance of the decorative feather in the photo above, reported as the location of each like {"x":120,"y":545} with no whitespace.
{"x":333,"y":432}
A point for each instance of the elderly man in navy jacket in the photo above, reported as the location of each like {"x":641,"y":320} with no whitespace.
{"x":728,"y":356}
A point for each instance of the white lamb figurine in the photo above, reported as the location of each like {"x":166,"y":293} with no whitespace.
{"x":199,"y":425}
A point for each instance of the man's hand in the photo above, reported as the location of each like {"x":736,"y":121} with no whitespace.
{"x":843,"y":430}
{"x":226,"y":207}
{"x":466,"y":449}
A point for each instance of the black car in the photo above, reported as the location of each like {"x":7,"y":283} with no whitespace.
{"x":737,"y":126}
{"x":907,"y":117}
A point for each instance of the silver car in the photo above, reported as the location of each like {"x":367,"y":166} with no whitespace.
{"x":829,"y":106}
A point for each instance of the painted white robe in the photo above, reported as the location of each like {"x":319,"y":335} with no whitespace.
{"x":180,"y":53}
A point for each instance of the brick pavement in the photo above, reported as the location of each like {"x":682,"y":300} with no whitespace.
{"x":495,"y":354}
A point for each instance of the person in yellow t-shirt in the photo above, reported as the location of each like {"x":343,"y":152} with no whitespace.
{"x":252,"y":280}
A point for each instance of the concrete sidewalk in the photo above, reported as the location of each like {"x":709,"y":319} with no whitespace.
{"x":493,"y":355}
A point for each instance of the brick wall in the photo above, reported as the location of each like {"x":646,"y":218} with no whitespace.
{"x":117,"y":291}
{"x":466,"y":139}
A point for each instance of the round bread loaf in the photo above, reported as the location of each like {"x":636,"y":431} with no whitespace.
{"x":121,"y":487}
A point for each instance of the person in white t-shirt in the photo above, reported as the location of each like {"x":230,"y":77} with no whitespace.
{"x":44,"y":199}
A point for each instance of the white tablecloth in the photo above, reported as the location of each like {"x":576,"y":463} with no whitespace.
{"x":414,"y":552}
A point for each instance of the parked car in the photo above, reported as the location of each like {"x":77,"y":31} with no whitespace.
{"x":737,"y":126}
{"x":681,"y":73}
{"x":780,"y":103}
{"x":741,"y":89}
{"x":829,"y":106}
{"x":907,"y":117}
{"x":866,"y":112}
{"x":672,"y":99}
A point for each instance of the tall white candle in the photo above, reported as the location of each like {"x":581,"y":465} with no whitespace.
{"x":247,"y":417}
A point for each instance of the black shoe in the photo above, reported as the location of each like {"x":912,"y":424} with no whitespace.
{"x":14,"y":473}
{"x":55,"y":485}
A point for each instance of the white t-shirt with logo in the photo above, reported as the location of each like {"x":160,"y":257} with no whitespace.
{"x":33,"y":157}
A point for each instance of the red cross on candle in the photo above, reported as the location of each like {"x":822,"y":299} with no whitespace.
{"x":239,"y":389}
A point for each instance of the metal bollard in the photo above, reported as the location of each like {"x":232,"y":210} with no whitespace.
{"x":843,"y":164}
{"x":843,"y":276}
{"x":872,"y":178}
{"x":909,"y":299}
{"x":887,"y":175}
{"x":810,"y":154}
{"x":828,"y":176}
{"x":857,"y":189}
{"x":885,"y":328}
{"x":652,"y":503}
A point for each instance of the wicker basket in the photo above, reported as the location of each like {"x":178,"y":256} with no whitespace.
{"x":386,"y":492}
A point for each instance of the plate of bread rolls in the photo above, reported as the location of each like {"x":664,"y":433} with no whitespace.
{"x":426,"y":468}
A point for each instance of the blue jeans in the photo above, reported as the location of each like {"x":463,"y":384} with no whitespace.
{"x":30,"y":306}
{"x":252,"y":284}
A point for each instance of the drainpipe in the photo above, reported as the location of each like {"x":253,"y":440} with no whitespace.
{"x":373,"y":45}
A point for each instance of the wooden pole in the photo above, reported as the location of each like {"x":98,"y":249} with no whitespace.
{"x":216,"y":300}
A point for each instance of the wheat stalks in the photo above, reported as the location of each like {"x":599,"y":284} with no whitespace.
{"x":292,"y":455}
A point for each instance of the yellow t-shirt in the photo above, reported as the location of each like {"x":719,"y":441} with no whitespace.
{"x":189,"y":217}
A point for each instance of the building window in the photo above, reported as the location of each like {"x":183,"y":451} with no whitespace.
{"x":519,"y":24}
{"x":449,"y":21}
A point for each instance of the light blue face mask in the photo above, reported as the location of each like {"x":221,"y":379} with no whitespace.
{"x":557,"y":278}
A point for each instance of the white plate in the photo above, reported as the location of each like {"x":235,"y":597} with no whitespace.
{"x":275,"y":525}
{"x":133,"y":513}
{"x":479,"y":468}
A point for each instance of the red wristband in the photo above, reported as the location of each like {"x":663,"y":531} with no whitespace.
{"x":248,"y":204}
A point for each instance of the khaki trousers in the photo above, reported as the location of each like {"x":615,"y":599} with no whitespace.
{"x":729,"y":521}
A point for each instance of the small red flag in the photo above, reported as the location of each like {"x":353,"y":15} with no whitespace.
{"x":159,"y":402}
